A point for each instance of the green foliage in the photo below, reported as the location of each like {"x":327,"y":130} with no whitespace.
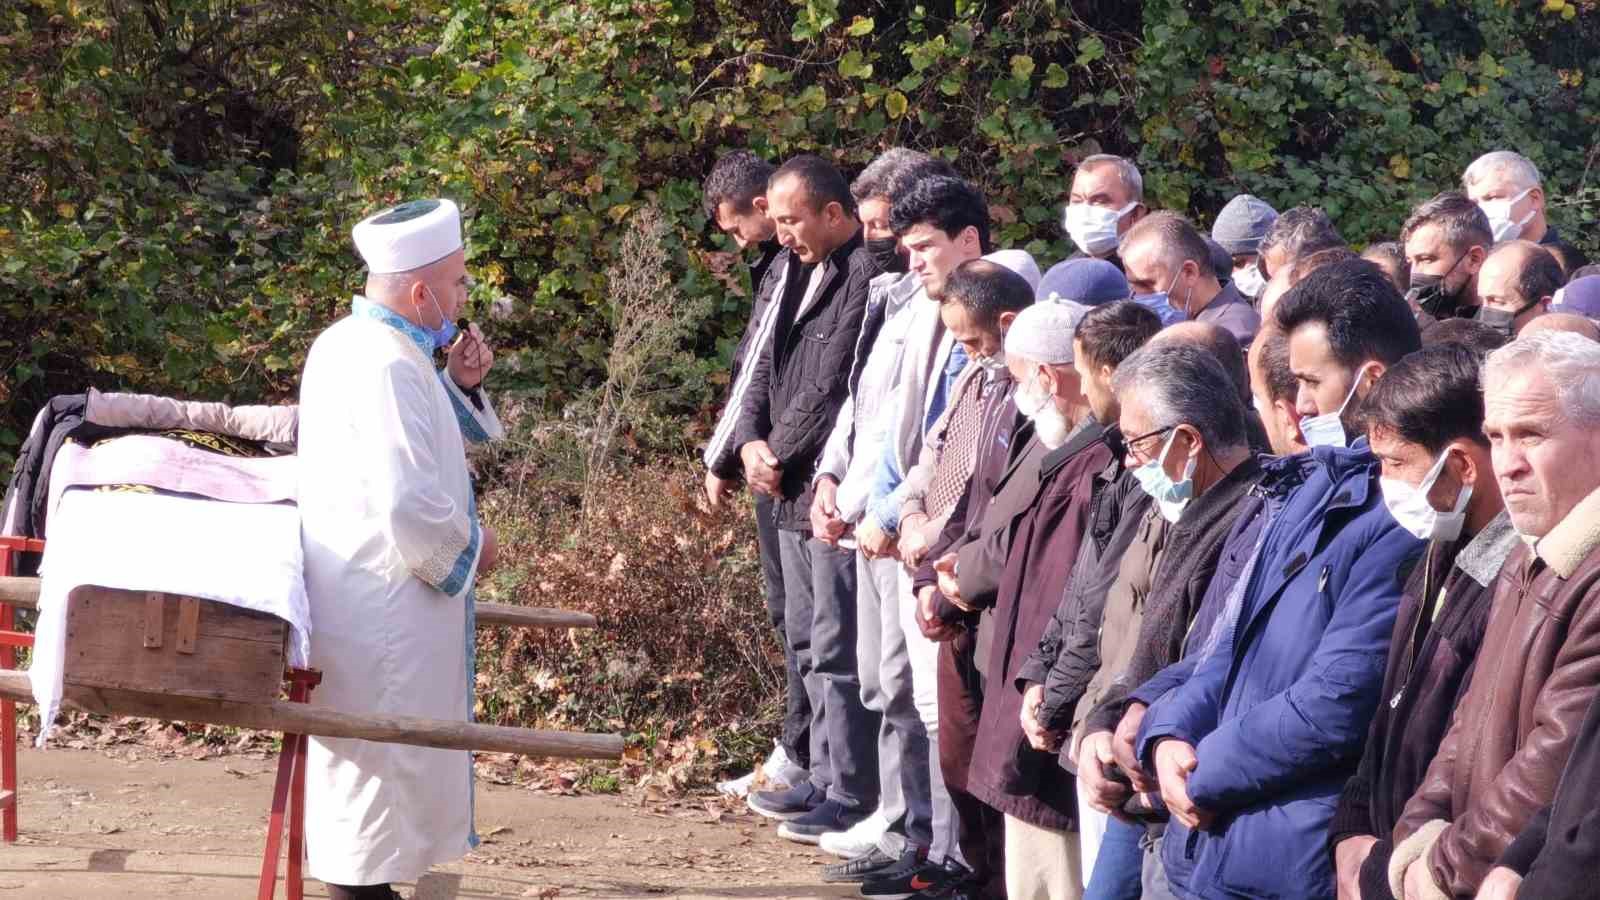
{"x":181,"y":177}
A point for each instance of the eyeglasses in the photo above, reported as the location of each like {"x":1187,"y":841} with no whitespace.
{"x":1133,"y":443}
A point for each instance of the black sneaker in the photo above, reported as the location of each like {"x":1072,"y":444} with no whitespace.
{"x":862,"y":868}
{"x":914,"y":876}
{"x":830,"y":816}
{"x":789,"y":804}
{"x":958,"y":884}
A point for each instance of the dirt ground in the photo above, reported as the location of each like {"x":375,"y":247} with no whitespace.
{"x":131,"y":826}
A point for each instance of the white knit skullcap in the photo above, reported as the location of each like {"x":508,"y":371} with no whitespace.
{"x":1042,"y":333}
{"x":1020,"y":262}
{"x":408,"y":236}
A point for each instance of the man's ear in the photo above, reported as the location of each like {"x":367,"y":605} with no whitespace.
{"x":1005,"y":320}
{"x":1537,"y":196}
{"x":969,"y":237}
{"x":1475,"y":257}
{"x":834,"y":213}
{"x":760,"y":204}
{"x":1369,"y":377}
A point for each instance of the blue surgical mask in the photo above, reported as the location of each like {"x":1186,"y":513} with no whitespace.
{"x":1171,"y":496}
{"x":446,"y":332}
{"x":1327,"y":430}
{"x":1160,"y":304}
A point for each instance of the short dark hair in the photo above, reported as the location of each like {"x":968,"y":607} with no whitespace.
{"x":1541,"y":273}
{"x":823,"y":181}
{"x":1431,"y":397}
{"x":1109,"y":333}
{"x":1301,"y":266}
{"x":1275,"y":369}
{"x":1366,"y":318}
{"x":1300,"y":231}
{"x":1583,"y":272}
{"x":906,"y":178}
{"x":1462,"y":222}
{"x":1394,"y":254}
{"x":987,"y":289}
{"x":737,"y":179}
{"x":1467,"y":332}
{"x":951,"y":205}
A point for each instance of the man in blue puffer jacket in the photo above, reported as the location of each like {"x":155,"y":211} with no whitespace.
{"x":1257,"y":728}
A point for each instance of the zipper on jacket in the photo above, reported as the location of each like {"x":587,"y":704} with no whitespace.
{"x":1424,"y":613}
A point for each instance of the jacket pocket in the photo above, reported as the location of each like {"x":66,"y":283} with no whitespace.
{"x":1278,"y":852}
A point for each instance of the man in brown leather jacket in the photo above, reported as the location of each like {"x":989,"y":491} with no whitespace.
{"x":1540,"y":659}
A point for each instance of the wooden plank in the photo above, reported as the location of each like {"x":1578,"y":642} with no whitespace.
{"x":531,"y":617}
{"x":24,"y":593}
{"x":300,"y":718}
{"x":188,"y":623}
{"x":155,"y":607}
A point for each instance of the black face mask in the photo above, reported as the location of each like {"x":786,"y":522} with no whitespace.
{"x":887,"y":253}
{"x":1428,"y":292}
{"x":1501,"y":320}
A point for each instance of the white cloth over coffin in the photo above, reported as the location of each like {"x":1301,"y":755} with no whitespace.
{"x":391,"y":541}
{"x":245,"y":554}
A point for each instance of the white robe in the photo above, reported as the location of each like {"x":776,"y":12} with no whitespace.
{"x":391,"y":543}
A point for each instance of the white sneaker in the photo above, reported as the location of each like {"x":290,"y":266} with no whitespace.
{"x":777,"y":774}
{"x":858,"y":840}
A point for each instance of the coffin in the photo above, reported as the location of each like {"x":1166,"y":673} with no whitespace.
{"x":160,"y":643}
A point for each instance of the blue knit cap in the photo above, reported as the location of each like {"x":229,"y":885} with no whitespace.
{"x":1085,"y":281}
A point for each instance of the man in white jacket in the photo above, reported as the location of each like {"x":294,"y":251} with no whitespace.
{"x":392,"y":546}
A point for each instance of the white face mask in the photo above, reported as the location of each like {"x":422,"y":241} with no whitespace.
{"x":1049,"y":423}
{"x":1410,"y":507}
{"x":1499,"y":213}
{"x":1171,"y":496}
{"x":1249,"y":281}
{"x":1327,"y":430}
{"x":992,"y":363}
{"x":1094,"y":228}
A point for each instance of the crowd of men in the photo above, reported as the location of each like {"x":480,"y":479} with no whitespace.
{"x":1205,"y":565}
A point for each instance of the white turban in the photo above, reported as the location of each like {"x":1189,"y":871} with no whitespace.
{"x":1043,"y":333}
{"x":408,"y":236}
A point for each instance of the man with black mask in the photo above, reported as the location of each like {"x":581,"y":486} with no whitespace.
{"x":1446,"y":240}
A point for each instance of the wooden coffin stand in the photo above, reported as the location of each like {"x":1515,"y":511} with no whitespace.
{"x":177,"y":658}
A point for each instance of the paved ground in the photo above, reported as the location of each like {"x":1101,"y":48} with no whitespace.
{"x":123,"y":824}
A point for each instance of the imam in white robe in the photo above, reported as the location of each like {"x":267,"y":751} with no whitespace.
{"x":391,"y":543}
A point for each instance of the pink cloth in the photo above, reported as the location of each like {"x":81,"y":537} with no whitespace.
{"x":170,"y":465}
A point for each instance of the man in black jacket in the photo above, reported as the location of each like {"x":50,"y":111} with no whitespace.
{"x":1425,"y":423}
{"x":799,"y":382}
{"x":735,"y":197}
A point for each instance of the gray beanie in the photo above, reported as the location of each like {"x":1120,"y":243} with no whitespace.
{"x":1243,"y":223}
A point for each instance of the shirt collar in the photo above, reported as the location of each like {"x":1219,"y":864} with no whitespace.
{"x":1574,"y":537}
{"x":363,"y":308}
{"x":1483,"y":556}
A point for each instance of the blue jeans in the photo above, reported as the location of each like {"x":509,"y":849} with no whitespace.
{"x":1117,"y":868}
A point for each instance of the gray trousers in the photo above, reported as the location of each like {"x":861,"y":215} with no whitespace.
{"x":796,"y":736}
{"x":819,"y":584}
{"x":1153,"y":879}
{"x":886,"y":689}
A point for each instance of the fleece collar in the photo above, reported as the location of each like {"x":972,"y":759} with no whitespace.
{"x":1483,"y":556}
{"x":1574,"y":537}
